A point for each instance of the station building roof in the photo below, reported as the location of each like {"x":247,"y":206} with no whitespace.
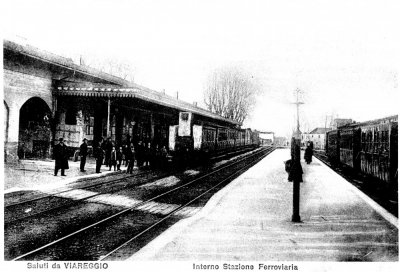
{"x":136,"y":91}
{"x":66,"y":63}
{"x":115,"y":86}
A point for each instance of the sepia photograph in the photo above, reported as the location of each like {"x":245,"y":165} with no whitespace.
{"x":199,"y":135}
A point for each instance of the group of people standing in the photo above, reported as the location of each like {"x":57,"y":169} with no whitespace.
{"x":107,"y":153}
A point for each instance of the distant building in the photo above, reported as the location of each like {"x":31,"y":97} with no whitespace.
{"x":317,"y":136}
{"x":266,"y":138}
{"x":281,"y":141}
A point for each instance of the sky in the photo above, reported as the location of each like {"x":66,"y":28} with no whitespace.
{"x":342,"y":55}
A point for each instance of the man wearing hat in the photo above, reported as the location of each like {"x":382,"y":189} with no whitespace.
{"x":83,"y":153}
{"x":61,"y":157}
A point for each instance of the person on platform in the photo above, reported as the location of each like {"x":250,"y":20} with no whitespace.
{"x":120,"y":157}
{"x":308,"y":153}
{"x":125,"y":150}
{"x":296,"y":171}
{"x":98,"y":154}
{"x":164,"y":157}
{"x":103,"y":144}
{"x":83,"y":149}
{"x":61,"y":157}
{"x":130,"y":157}
{"x":156,"y":162}
{"x":139,"y":154}
{"x":108,"y":148}
{"x":113,"y":158}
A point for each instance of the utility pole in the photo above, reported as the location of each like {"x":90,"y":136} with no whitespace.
{"x":298,"y":103}
{"x":296,"y":171}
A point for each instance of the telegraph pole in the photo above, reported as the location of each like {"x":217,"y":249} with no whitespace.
{"x":296,"y":170}
{"x":298,"y":103}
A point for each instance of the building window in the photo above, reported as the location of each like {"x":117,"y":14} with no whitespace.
{"x":90,"y":125}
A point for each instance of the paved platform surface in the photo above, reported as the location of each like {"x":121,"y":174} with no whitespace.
{"x":37,"y":174}
{"x":250,"y":220}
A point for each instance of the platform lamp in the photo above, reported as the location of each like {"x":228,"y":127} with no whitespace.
{"x":296,"y":168}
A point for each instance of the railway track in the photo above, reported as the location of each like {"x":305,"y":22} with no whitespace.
{"x":369,"y":186}
{"x":59,"y":199}
{"x":53,"y":200}
{"x":93,"y":237}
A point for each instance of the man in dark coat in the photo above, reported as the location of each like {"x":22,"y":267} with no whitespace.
{"x":98,"y":154}
{"x":120,"y":155}
{"x":296,"y":171}
{"x":308,"y":154}
{"x":140,"y":154}
{"x":109,"y":146}
{"x":83,"y":153}
{"x":130,"y":157}
{"x":61,"y":157}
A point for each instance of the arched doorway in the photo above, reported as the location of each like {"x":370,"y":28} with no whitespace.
{"x":34,"y":129}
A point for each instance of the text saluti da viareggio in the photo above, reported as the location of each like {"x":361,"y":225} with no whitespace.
{"x":67,"y":265}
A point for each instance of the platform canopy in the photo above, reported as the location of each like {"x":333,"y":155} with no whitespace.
{"x":134,"y":91}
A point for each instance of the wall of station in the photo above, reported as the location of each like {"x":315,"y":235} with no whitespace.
{"x":20,"y":88}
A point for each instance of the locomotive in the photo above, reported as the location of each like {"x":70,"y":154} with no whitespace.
{"x":195,"y":139}
{"x":368,"y":147}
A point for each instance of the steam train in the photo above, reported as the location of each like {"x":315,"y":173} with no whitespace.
{"x":194,"y":139}
{"x":369,"y":148}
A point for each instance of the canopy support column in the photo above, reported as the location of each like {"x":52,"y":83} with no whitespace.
{"x":108,"y":117}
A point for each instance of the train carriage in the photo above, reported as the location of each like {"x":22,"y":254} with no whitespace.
{"x":332,"y":146}
{"x":368,"y":147}
{"x":198,"y":138}
{"x":208,"y":139}
{"x":349,"y":146}
{"x":377,"y":158}
{"x":222,"y":138}
{"x":255,"y":138}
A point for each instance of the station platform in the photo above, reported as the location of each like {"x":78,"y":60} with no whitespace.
{"x":250,"y":220}
{"x":39,"y":174}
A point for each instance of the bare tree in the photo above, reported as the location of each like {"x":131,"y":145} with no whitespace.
{"x":230,"y":93}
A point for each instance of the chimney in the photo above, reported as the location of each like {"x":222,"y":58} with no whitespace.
{"x":195,"y":103}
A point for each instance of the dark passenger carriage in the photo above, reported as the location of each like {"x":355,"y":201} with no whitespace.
{"x":332,"y":146}
{"x":378,"y":150}
{"x":349,"y":142}
{"x":194,"y":137}
{"x":368,"y":147}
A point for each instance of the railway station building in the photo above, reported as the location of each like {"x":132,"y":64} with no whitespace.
{"x":47,"y":97}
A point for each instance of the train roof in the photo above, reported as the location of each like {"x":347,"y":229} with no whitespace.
{"x":389,"y":119}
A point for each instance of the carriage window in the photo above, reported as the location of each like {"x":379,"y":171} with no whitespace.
{"x":369,"y":141}
{"x":222,"y":136}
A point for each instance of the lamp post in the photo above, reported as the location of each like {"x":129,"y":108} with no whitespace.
{"x":296,"y":170}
